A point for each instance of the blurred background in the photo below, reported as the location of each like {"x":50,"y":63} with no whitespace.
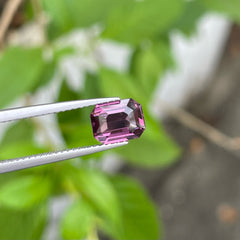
{"x":181,"y":60}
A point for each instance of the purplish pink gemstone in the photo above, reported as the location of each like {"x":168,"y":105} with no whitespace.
{"x":117,"y":121}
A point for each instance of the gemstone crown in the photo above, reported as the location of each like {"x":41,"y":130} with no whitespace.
{"x":117,"y":121}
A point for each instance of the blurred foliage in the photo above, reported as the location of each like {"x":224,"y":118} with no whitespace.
{"x":114,"y":205}
{"x":23,"y":224}
{"x":19,"y":79}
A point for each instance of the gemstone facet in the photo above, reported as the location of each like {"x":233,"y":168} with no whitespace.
{"x":117,"y":121}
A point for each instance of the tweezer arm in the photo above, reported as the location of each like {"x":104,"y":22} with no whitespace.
{"x":41,"y":159}
{"x":39,"y":110}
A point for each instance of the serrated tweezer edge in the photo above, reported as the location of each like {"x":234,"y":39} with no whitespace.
{"x":44,"y":109}
{"x":45,"y":158}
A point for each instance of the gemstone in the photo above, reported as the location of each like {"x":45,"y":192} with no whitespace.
{"x":117,"y":121}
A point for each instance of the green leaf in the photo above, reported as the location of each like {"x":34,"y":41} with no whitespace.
{"x":99,"y":192}
{"x":145,"y":152}
{"x":28,"y":11}
{"x":19,"y":70}
{"x":78,"y":221}
{"x":66,"y":15}
{"x":134,"y":21}
{"x":51,"y":65}
{"x":45,"y":76}
{"x":70,"y":119}
{"x":92,"y":86}
{"x":20,"y":131}
{"x":148,"y":63}
{"x":92,"y":89}
{"x":126,"y":20}
{"x":61,"y":20}
{"x":229,"y":8}
{"x":80,"y":135}
{"x":187,"y":21}
{"x":120,"y":84}
{"x":24,"y":192}
{"x":20,"y":149}
{"x":139,"y":217}
{"x":18,"y":141}
{"x":27,"y":225}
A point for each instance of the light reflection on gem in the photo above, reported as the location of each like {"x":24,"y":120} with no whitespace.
{"x":117,"y":121}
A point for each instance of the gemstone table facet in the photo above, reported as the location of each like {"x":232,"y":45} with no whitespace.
{"x":117,"y":121}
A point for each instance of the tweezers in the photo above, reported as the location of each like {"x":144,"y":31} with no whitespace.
{"x":51,"y":157}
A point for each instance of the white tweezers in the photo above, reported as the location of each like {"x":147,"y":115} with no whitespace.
{"x":45,"y":158}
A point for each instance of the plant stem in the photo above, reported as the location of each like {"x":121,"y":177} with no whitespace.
{"x":199,"y":126}
{"x":7,"y":16}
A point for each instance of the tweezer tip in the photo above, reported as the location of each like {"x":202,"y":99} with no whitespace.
{"x":116,"y":144}
{"x":109,"y":146}
{"x":120,"y":143}
{"x":108,"y":99}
